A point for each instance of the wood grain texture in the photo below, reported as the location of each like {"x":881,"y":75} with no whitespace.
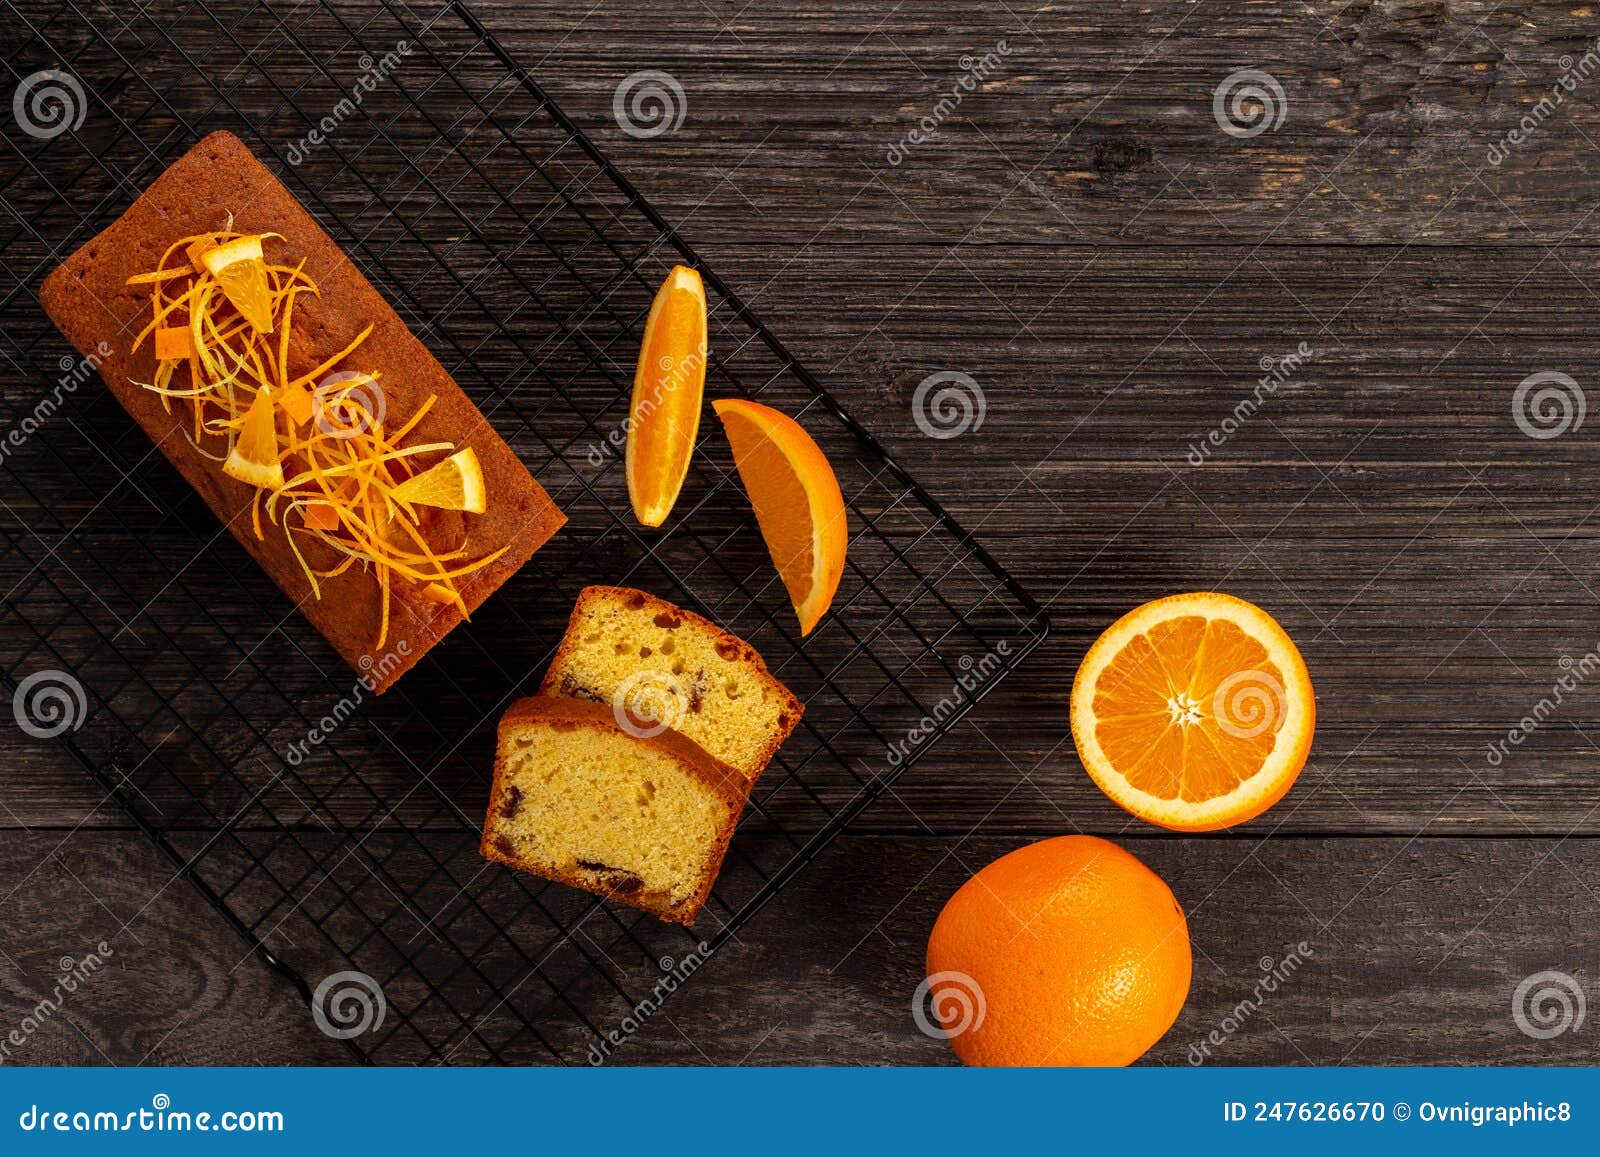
{"x":1431,"y":560}
{"x":1096,"y":127}
{"x":1412,"y":953}
{"x":1082,"y":238}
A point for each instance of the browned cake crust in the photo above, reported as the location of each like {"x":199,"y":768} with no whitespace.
{"x":544,"y":711}
{"x":89,"y":301}
{"x":737,"y":647}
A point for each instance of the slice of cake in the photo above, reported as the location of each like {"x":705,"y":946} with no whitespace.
{"x":661,"y":667}
{"x":579,"y":799}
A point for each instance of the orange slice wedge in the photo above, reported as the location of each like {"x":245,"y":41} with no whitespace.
{"x":454,"y":484}
{"x":796,"y":499}
{"x":1194,"y":712}
{"x":254,"y":457}
{"x":241,"y":270}
{"x":668,"y":389}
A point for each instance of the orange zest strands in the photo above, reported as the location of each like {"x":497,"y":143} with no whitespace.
{"x":315,"y":449}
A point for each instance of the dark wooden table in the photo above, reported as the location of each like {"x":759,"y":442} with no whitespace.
{"x":1082,"y":237}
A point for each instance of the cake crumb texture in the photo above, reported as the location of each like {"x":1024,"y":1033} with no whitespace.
{"x":581,"y":800}
{"x":662,"y":665}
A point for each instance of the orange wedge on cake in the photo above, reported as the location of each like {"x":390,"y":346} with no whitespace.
{"x":668,"y":389}
{"x":1194,"y":712}
{"x":454,"y":484}
{"x":796,"y":499}
{"x":254,"y":456}
{"x":241,"y":269}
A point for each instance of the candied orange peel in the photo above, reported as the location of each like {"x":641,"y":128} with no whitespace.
{"x":311,"y":440}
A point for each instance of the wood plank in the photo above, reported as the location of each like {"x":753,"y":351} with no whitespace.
{"x":177,"y":986}
{"x":1416,"y":948}
{"x":1097,"y":126}
{"x":1083,"y":239}
{"x":1430,"y":559}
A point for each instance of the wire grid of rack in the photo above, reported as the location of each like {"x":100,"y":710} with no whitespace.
{"x":527,"y":263}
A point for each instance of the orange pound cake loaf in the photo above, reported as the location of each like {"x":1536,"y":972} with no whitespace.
{"x":316,"y":426}
{"x":582,"y":800}
{"x":661,"y":667}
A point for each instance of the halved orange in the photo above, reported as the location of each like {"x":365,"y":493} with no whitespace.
{"x":1194,"y":712}
{"x":796,"y":499}
{"x":454,"y":484}
{"x":668,"y":388}
{"x":241,"y":270}
{"x":254,"y":457}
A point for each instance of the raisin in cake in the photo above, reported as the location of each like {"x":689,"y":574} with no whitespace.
{"x":582,"y":800}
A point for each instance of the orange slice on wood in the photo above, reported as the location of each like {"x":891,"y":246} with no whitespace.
{"x":241,"y":270}
{"x":254,"y":457}
{"x":454,"y":484}
{"x":796,"y":499}
{"x":668,"y":388}
{"x":1194,"y":712}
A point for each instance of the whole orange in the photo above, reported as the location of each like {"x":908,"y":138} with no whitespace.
{"x":1065,"y":952}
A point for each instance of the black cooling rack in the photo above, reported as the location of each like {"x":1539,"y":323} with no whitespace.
{"x":527,"y":263}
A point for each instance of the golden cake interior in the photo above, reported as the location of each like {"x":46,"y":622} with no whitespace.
{"x":586,"y":801}
{"x":665,"y":669}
